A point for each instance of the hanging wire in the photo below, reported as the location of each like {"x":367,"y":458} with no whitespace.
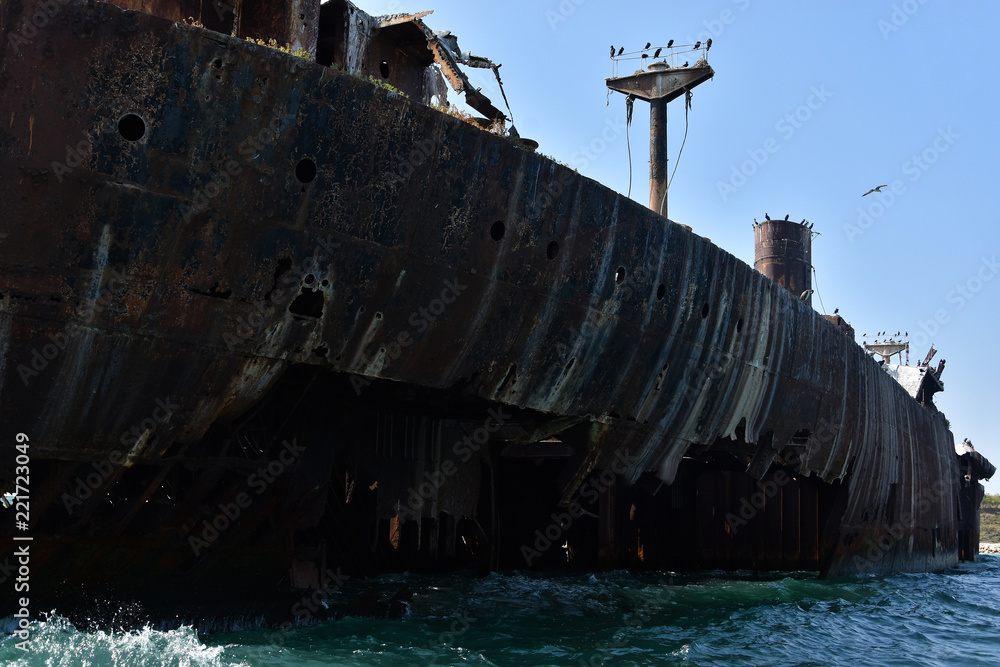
{"x":687,"y":108}
{"x":816,"y":285}
{"x":629,"y":101}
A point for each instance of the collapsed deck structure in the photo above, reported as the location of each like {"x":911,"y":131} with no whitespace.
{"x":264,"y":320}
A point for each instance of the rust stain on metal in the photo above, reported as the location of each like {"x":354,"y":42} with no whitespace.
{"x":367,"y":313}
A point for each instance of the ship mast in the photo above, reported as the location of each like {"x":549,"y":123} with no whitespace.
{"x":659,"y":84}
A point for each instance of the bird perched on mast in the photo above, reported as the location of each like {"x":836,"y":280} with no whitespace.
{"x":621,"y":50}
{"x":612,"y":50}
{"x":697,"y":44}
{"x":670,"y":44}
{"x":657,"y":54}
{"x":708,"y":44}
{"x":648,"y":44}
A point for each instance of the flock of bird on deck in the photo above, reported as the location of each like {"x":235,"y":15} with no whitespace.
{"x":659,"y":50}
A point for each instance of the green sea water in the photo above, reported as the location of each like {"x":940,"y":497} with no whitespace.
{"x":615,"y":618}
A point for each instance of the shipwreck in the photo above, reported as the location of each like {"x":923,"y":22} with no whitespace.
{"x":269,"y":317}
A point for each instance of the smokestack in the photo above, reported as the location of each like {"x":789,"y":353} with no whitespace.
{"x":783,"y":253}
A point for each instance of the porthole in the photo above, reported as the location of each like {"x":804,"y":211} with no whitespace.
{"x":305,"y":170}
{"x":497,"y":230}
{"x":132,"y":127}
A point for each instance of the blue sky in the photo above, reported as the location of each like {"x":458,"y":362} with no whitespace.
{"x":812,"y":105}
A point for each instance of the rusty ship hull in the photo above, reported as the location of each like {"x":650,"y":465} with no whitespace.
{"x":264,"y":321}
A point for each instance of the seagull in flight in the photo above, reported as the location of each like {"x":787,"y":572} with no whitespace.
{"x":878,"y":189}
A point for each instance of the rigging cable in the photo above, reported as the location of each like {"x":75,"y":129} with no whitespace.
{"x":629,"y":101}
{"x":816,"y":285}
{"x":687,"y":107}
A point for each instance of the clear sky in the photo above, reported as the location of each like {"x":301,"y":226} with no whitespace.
{"x":812,"y":105}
